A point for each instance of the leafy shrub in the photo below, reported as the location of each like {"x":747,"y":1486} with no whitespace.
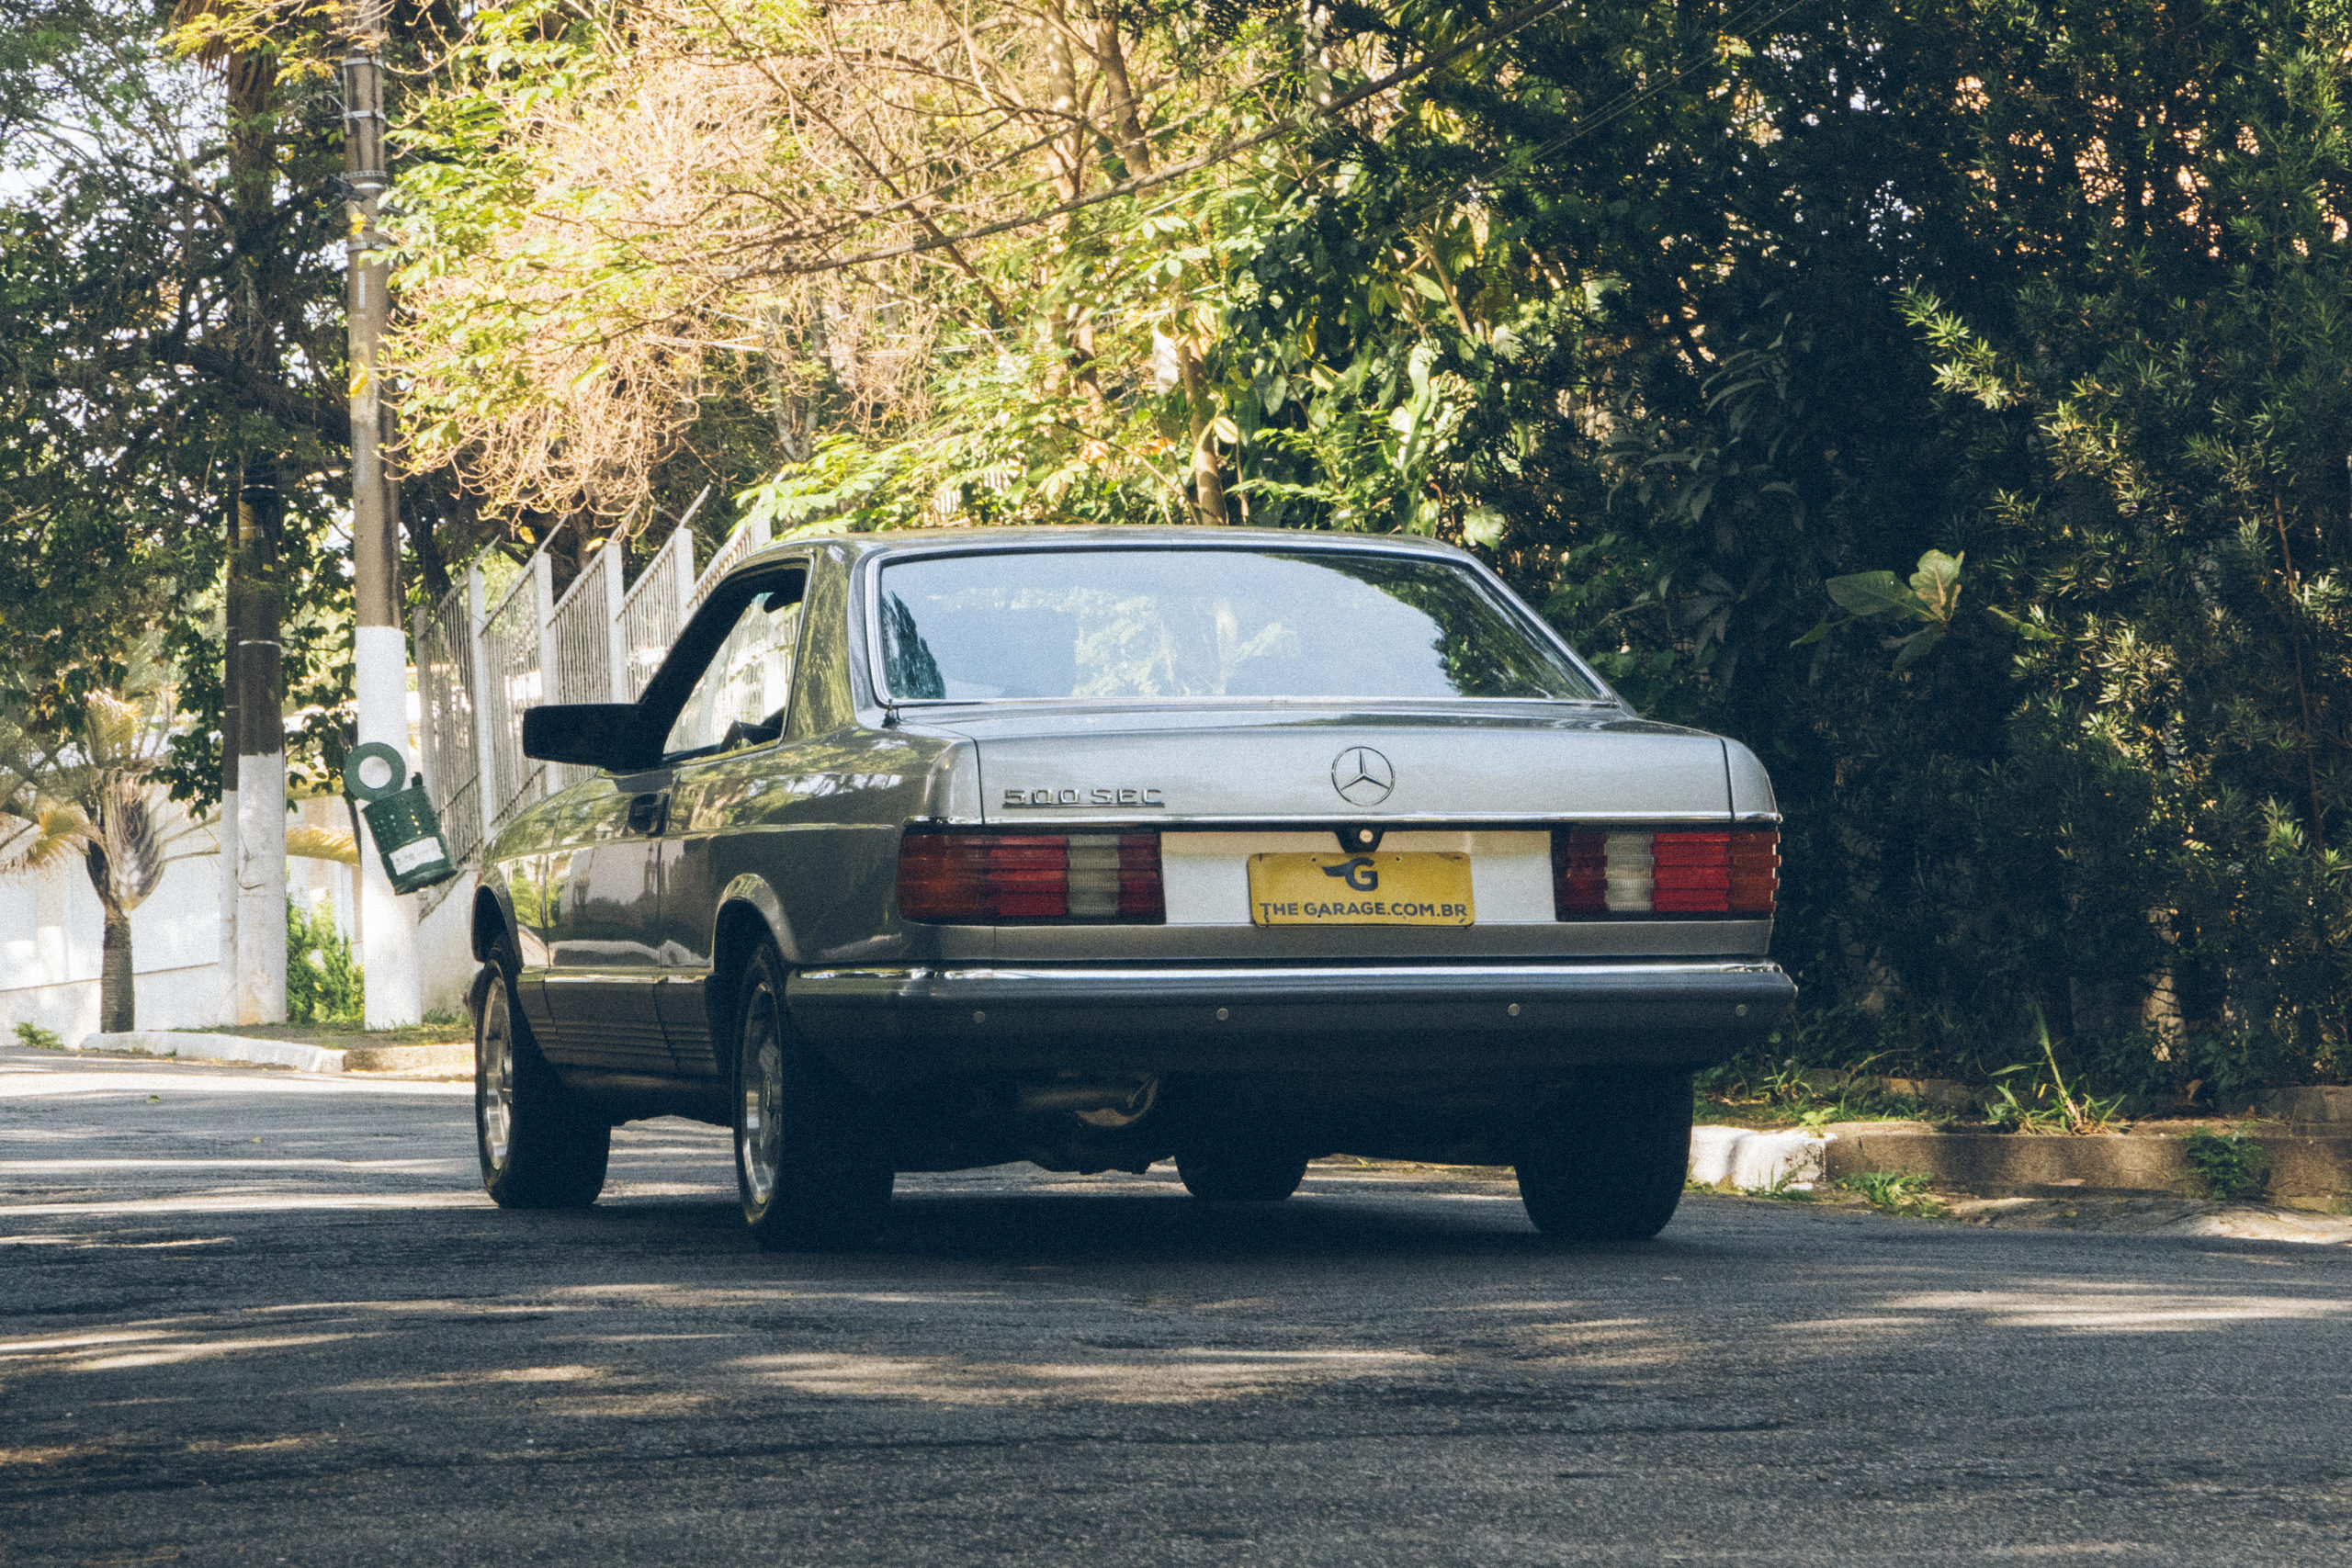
{"x":323,"y":983}
{"x":33,"y":1037}
{"x":2231,"y":1165}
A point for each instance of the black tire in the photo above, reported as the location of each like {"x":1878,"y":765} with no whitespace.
{"x":541,"y":1146}
{"x":807,"y":1162}
{"x":1223,"y":1172}
{"x":1615,"y":1172}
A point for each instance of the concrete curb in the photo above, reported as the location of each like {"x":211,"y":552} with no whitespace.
{"x":2304,"y":1171}
{"x":218,"y":1048}
{"x":2324,"y":1102}
{"x":1737,"y":1156}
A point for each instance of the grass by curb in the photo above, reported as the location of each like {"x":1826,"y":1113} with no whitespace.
{"x":453,"y":1030}
{"x":1890,"y":1193}
{"x":2231,"y":1165}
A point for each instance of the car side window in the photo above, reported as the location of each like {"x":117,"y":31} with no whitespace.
{"x":743,"y":694}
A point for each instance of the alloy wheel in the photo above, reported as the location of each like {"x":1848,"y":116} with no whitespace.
{"x":759,"y":1141}
{"x":496,"y":1102}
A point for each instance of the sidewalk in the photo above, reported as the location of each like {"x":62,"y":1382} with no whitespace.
{"x":429,"y":1050}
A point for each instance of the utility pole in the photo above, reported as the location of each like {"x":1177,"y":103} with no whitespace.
{"x":254,"y":799}
{"x":387,"y":922}
{"x":261,"y":746}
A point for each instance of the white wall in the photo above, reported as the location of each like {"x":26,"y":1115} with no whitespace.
{"x":444,"y":948}
{"x":51,"y":930}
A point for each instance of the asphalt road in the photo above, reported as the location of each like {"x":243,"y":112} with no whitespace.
{"x":253,"y":1317}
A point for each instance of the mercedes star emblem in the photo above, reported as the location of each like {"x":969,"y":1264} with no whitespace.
{"x":1363,"y":777}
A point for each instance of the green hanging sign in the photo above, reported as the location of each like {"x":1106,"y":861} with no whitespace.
{"x":400,"y":818}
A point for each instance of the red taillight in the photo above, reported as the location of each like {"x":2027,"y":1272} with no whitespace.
{"x":1692,"y":874}
{"x":1604,"y":870}
{"x":1579,"y":873}
{"x":981,"y":878}
{"x":1755,"y":872}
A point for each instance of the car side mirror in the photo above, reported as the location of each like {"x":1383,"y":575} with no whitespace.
{"x":597,"y":735}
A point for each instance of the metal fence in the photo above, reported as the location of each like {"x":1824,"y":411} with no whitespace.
{"x":445,"y":644}
{"x":654,"y":611}
{"x":512,"y":667}
{"x":479,"y":666}
{"x":741,"y":543}
{"x":579,"y":632}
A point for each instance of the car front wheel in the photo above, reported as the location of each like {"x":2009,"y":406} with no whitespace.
{"x":807,"y":1162}
{"x":1615,"y":1173}
{"x":541,"y":1146}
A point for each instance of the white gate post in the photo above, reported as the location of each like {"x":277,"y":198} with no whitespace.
{"x":616,"y":554}
{"x":485,"y":752}
{"x":543,"y":608}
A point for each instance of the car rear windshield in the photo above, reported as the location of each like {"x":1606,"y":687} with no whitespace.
{"x":1206,"y":623}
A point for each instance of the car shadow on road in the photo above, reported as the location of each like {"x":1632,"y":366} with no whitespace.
{"x":1074,"y":1224}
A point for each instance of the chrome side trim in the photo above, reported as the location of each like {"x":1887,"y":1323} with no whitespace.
{"x":1033,"y":816}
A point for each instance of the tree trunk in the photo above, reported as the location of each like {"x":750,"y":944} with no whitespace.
{"x":423,"y":518}
{"x":1318,"y":60}
{"x":117,"y":993}
{"x":1065,"y":153}
{"x":118,"y":998}
{"x":1125,"y":117}
{"x":1208,"y":484}
{"x":1066,"y":158}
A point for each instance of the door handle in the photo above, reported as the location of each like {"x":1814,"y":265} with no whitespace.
{"x":648,"y":814}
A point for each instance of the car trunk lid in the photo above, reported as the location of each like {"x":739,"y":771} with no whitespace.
{"x":1310,"y":763}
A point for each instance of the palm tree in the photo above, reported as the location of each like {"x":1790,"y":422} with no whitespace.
{"x":89,"y":788}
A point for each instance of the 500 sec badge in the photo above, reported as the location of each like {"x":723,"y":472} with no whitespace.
{"x":1109,"y":795}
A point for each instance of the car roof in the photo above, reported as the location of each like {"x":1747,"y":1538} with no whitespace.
{"x":1134,"y":536}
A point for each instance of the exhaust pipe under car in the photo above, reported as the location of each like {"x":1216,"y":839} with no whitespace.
{"x":1115,"y":1102}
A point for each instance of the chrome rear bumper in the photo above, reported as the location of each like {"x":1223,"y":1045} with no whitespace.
{"x":897,"y":1022}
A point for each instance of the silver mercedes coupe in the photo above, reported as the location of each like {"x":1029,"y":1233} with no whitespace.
{"x":1095,"y":847}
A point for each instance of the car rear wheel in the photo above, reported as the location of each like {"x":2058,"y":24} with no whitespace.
{"x":807,"y":1161}
{"x":1239,"y":1173}
{"x":1616,"y":1173}
{"x":541,"y":1146}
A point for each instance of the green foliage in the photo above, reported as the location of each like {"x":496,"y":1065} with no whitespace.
{"x":1697,"y":323}
{"x":1930,"y":597}
{"x":170,"y":338}
{"x":2231,"y":1165}
{"x":33,"y":1037}
{"x":323,"y":982}
{"x":2047,"y":1104}
{"x":1893,"y":1194}
{"x":1808,"y":1095}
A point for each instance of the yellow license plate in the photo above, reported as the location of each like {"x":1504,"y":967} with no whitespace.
{"x":1411,"y":888}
